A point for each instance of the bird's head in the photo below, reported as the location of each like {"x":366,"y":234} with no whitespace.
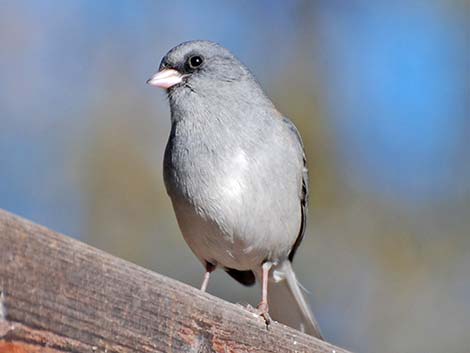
{"x":203,"y":77}
{"x":199,"y":66}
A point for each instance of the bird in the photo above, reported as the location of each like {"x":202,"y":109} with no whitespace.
{"x":235,"y":170}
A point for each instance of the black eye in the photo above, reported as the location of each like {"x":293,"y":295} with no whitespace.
{"x":195,"y":61}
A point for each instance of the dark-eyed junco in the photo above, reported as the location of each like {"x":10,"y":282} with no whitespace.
{"x":236,"y":173}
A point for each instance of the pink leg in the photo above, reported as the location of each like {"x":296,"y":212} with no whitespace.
{"x":209,"y":268}
{"x":263,"y":306}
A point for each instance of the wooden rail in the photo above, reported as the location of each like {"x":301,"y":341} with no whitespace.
{"x":60,"y":295}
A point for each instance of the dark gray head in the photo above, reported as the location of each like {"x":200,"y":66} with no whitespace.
{"x":206,"y":70}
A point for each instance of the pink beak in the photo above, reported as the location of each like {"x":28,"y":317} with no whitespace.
{"x":165,"y":78}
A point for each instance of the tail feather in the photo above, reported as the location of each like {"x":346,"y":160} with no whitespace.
{"x":287,"y":303}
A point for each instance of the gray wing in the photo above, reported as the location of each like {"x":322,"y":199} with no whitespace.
{"x":303,"y":197}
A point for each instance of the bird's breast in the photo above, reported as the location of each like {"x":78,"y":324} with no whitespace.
{"x":238,"y":195}
{"x":206,"y":176}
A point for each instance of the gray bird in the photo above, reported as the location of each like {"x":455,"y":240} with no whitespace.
{"x":236,"y":173}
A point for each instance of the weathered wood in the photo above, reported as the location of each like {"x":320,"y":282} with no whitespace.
{"x":60,"y":295}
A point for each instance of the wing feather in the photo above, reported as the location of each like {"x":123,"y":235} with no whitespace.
{"x":304,"y":190}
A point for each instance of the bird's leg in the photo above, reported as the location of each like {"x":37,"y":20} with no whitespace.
{"x":209,"y":268}
{"x":263,"y":306}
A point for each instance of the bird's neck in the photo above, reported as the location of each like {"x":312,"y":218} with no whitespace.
{"x":230,"y":106}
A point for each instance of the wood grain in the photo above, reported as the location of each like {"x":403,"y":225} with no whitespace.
{"x":60,"y":295}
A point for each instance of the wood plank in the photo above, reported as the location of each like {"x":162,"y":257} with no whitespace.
{"x":60,"y":295}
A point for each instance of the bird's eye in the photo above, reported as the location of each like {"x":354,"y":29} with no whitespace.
{"x":195,"y":61}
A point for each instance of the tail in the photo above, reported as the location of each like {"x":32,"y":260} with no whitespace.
{"x":287,"y":304}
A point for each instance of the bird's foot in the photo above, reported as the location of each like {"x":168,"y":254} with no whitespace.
{"x":261,"y":310}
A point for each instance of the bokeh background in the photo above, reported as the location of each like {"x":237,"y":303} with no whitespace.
{"x":378,"y":89}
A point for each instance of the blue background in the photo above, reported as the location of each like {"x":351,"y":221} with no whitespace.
{"x":379,"y":91}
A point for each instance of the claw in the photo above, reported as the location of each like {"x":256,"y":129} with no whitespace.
{"x":262,"y":311}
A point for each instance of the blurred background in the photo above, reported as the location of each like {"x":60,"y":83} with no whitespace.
{"x":380,"y":91}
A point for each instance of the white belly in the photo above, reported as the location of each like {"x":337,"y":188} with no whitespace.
{"x":210,"y":242}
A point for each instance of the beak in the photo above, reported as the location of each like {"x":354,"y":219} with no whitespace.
{"x":165,"y":78}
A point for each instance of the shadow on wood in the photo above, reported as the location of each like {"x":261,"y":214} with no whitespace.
{"x":60,"y":295}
